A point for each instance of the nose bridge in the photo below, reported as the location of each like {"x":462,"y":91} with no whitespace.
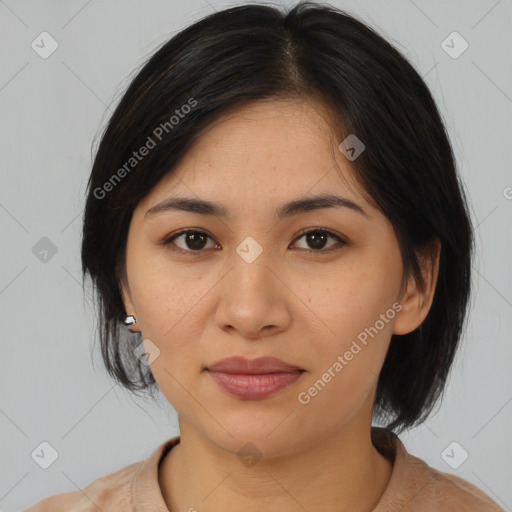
{"x":252,"y":296}
{"x":252,"y":265}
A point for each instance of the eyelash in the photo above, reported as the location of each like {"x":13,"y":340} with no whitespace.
{"x":168,"y":241}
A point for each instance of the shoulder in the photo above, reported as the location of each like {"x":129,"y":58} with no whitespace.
{"x":108,"y":492}
{"x":416,"y":486}
{"x":456,"y":494}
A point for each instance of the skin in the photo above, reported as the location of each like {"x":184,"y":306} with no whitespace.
{"x":304,"y":308}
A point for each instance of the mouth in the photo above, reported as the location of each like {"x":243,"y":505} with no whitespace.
{"x":254,"y":386}
{"x":260,"y":365}
{"x":253,"y":379}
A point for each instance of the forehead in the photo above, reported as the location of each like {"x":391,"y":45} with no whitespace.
{"x":281,"y":148}
{"x":272,"y":130}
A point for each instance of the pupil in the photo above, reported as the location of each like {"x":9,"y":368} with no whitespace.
{"x":316,"y":235}
{"x":190,"y":240}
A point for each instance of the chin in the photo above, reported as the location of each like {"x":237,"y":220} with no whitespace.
{"x":269,"y":437}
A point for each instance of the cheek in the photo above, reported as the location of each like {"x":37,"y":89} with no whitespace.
{"x":359,"y":310}
{"x":172,"y":317}
{"x":352,"y":301}
{"x":164,"y":299}
{"x":346,"y":372}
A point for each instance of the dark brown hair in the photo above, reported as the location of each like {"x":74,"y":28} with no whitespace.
{"x":256,"y":52}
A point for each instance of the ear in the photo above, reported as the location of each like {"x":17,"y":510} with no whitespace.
{"x":416,"y":301}
{"x":128,"y":304}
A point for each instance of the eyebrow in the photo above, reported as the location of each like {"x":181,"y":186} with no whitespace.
{"x":289,"y":209}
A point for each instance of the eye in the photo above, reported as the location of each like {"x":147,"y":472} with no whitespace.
{"x":317,"y":238}
{"x":193,"y":240}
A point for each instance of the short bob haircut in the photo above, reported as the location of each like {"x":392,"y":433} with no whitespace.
{"x":257,"y":52}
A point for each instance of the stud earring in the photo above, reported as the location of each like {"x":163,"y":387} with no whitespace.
{"x":130,"y":320}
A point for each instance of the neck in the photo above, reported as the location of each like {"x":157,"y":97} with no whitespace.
{"x":338,"y":472}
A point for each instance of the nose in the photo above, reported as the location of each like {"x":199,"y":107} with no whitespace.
{"x":253,"y":299}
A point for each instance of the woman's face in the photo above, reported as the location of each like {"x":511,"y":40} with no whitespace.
{"x":251,"y":284}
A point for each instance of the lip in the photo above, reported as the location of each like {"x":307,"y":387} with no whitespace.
{"x":260,"y":365}
{"x":253,"y":379}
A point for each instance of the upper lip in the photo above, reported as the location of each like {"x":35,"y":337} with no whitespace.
{"x":239,"y":364}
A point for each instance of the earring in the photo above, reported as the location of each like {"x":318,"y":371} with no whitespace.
{"x":130,"y":320}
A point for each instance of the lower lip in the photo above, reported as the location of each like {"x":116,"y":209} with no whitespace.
{"x":254,"y":386}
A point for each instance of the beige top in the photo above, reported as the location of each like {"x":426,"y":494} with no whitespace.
{"x":413,"y":486}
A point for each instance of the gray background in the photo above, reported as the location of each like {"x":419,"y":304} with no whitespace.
{"x":51,"y":111}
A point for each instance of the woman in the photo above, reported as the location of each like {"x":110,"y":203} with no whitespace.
{"x":275,"y":214}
